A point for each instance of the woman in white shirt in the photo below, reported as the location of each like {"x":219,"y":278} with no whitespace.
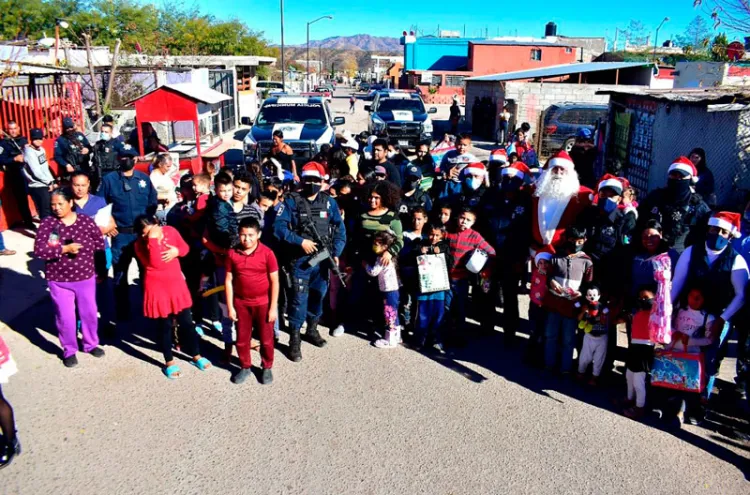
{"x":161,"y":178}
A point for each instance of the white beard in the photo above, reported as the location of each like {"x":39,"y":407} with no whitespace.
{"x":557,"y":186}
{"x":554,"y":193}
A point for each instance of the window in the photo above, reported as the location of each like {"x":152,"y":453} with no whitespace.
{"x":455,"y":81}
{"x":568,"y":49}
{"x":536,"y":54}
{"x":437,"y":79}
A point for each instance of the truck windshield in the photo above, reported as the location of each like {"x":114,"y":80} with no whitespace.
{"x":408,"y":104}
{"x":284,"y":113}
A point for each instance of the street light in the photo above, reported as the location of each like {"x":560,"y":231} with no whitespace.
{"x":283,"y":67}
{"x":656,"y":38}
{"x":307,"y":76}
{"x":59,"y":23}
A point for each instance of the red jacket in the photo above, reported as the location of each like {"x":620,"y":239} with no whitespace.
{"x":576,"y":206}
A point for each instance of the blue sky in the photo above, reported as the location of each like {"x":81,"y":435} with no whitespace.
{"x":390,"y":18}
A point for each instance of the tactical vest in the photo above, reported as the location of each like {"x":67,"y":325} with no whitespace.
{"x":716,"y":280}
{"x":318,"y":215}
{"x":106,"y":157}
{"x":605,"y":235}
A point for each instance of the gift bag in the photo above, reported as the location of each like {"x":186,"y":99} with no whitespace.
{"x":433,"y":273}
{"x":678,"y":371}
{"x":438,"y":152}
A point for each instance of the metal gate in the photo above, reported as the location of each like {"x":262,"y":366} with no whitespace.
{"x":42,"y":106}
{"x":223,"y":82}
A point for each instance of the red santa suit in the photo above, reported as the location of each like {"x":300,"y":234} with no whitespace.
{"x":551,"y":216}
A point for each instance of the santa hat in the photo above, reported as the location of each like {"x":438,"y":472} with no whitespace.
{"x":542,"y":254}
{"x":499,"y":156}
{"x":684,"y":165}
{"x":619,"y":184}
{"x":314,"y":169}
{"x":476,"y":168}
{"x":726,"y":220}
{"x":518,"y":169}
{"x":560,"y":159}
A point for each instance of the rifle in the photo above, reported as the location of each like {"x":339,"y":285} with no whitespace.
{"x":324,"y":253}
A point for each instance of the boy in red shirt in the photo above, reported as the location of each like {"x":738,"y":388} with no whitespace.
{"x":463,"y":244}
{"x":252,"y":290}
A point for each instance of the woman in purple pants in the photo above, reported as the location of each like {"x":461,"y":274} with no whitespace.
{"x":67,"y":242}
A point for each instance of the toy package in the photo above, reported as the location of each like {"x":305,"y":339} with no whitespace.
{"x":678,"y":371}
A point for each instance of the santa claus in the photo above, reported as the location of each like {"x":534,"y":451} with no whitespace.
{"x":558,"y":200}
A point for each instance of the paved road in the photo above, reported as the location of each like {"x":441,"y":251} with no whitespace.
{"x":348,"y":419}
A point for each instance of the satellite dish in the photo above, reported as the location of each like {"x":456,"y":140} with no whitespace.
{"x":735,"y":51}
{"x":47,"y":42}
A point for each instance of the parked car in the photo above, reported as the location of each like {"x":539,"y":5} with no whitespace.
{"x":325,"y":91}
{"x":563,"y":120}
{"x":364,"y":86}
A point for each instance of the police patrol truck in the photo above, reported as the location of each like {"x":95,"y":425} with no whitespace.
{"x":306,"y":121}
{"x":401,"y":118}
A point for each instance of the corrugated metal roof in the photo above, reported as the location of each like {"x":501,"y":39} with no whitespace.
{"x":559,"y":70}
{"x":726,"y":94}
{"x":519,"y":43}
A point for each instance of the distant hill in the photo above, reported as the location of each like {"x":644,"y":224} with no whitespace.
{"x":363,"y":42}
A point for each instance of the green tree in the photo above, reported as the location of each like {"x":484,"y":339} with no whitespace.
{"x":697,"y":35}
{"x":719,"y":48}
{"x":635,"y":33}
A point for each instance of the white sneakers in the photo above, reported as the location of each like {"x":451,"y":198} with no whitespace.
{"x":392,"y":339}
{"x":338,"y":331}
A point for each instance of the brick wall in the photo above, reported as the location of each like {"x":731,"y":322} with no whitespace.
{"x":531,"y":99}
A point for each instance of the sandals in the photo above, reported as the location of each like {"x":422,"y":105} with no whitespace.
{"x":202,"y":364}
{"x":172,"y":372}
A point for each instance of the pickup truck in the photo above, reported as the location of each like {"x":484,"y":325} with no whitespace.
{"x":401,"y":118}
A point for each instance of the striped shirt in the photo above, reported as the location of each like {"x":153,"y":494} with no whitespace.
{"x":463,"y":245}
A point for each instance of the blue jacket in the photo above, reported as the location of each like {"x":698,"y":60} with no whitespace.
{"x":286,"y":225}
{"x":128,"y":205}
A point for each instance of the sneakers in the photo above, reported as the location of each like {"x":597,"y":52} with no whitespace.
{"x":70,"y":361}
{"x":438,"y":348}
{"x":218,"y":327}
{"x":313,"y":336}
{"x":97,"y":352}
{"x":636,"y":413}
{"x":241,"y":376}
{"x":266,"y":378}
{"x":199,"y":331}
{"x":338,"y":331}
{"x":392,"y":339}
{"x":384,"y":344}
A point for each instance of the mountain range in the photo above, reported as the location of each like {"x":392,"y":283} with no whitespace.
{"x":363,"y":42}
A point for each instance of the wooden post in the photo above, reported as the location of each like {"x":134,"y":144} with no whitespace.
{"x":617,"y":77}
{"x":112,"y":70}
{"x":579,"y":77}
{"x":97,"y":102}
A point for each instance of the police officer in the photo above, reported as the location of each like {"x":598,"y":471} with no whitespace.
{"x":505,"y":222}
{"x":11,"y":161}
{"x":300,"y":213}
{"x":131,"y":194}
{"x":412,"y":195}
{"x":72,"y":151}
{"x":105,"y":156}
{"x":678,"y":208}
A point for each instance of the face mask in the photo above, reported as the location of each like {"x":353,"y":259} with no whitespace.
{"x":310,"y":189}
{"x":127,"y":165}
{"x":391,"y":154}
{"x":575,"y":248}
{"x":473,"y":183}
{"x":410,"y":186}
{"x":609,"y":205}
{"x":104,"y":136}
{"x":679,"y":189}
{"x":646,"y":304}
{"x":716,"y":242}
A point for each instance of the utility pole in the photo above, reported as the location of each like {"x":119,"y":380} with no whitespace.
{"x":283,"y":65}
{"x":94,"y":85}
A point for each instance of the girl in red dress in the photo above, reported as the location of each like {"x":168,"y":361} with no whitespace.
{"x":165,"y":292}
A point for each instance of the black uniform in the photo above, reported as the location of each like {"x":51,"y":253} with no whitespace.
{"x":105,"y":160}
{"x":505,"y":222}
{"x":683,"y":222}
{"x":69,"y":151}
{"x":14,"y":179}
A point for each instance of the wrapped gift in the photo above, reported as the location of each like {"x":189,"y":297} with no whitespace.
{"x":678,"y":371}
{"x":433,"y":273}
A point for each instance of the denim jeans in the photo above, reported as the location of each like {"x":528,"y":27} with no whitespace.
{"x":560,"y":327}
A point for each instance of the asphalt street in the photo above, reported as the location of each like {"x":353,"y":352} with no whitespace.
{"x":348,"y":419}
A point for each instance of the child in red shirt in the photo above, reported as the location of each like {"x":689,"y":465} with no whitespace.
{"x":463,"y":243}
{"x":252,"y":290}
{"x":640,"y":356}
{"x":537,"y":313}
